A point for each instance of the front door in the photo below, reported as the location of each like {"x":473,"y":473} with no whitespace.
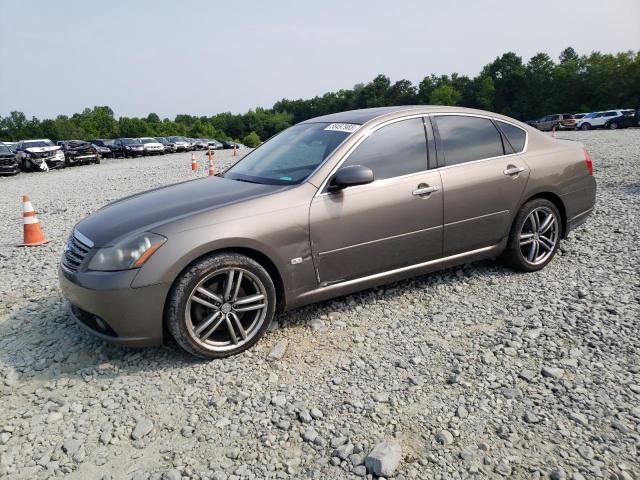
{"x":392,"y":222}
{"x":482,"y":185}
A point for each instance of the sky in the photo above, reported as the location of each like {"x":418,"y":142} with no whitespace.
{"x":204,"y":57}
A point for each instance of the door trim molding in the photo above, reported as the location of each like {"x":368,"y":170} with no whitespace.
{"x":371,"y":242}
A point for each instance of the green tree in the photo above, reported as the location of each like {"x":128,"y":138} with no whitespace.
{"x":445,"y":95}
{"x":251,"y":140}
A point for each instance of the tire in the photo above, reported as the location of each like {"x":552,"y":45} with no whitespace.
{"x":613,"y":126}
{"x":528,"y":249}
{"x":585,"y":126}
{"x":97,"y":161}
{"x":213,"y":330}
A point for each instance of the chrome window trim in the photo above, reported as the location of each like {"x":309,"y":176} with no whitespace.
{"x":368,"y":131}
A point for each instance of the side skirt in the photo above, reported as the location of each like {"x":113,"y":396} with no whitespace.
{"x":370,"y":281}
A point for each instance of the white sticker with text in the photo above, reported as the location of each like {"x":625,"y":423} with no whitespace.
{"x":343,"y":127}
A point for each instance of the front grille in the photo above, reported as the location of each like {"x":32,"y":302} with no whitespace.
{"x":74,"y":253}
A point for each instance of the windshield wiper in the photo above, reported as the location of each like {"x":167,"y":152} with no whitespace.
{"x":246,"y":181}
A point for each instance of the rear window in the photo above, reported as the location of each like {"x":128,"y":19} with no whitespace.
{"x":516,"y":136}
{"x":465,"y":139}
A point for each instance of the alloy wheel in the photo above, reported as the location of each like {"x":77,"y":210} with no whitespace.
{"x":226,"y":309}
{"x":539,"y":235}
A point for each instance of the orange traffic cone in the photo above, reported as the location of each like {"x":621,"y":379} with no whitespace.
{"x":212,"y":170}
{"x":194,"y":164}
{"x":235,"y":150}
{"x":33,"y":235}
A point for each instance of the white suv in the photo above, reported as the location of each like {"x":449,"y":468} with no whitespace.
{"x":597,"y":119}
{"x":152,"y":146}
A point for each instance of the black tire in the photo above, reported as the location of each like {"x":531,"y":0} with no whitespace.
{"x":177,"y":318}
{"x":613,"y":126}
{"x":585,"y":126}
{"x":513,"y":254}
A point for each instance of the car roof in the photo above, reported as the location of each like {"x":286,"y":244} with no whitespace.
{"x":365,"y":115}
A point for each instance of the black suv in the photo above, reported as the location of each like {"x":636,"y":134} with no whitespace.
{"x":629,"y":118}
{"x":128,"y":147}
{"x":78,"y":152}
{"x":8,"y":162}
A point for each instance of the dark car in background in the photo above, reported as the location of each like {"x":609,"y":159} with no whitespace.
{"x":559,"y":121}
{"x":104,"y":147}
{"x":78,"y":152}
{"x":226,"y":144}
{"x":8,"y":163}
{"x":41,"y":154}
{"x":169,"y":147}
{"x":128,"y":147}
{"x":628,"y":119}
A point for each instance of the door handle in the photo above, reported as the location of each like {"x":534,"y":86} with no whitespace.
{"x":424,"y":190}
{"x":513,"y":170}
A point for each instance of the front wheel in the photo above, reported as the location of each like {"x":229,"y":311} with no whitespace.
{"x":535,"y":236}
{"x":221,"y":305}
{"x":613,"y":126}
{"x":585,"y":126}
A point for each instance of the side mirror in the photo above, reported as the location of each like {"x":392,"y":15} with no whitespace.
{"x":351,"y":176}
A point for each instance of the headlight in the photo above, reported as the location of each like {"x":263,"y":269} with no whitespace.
{"x":129,"y":253}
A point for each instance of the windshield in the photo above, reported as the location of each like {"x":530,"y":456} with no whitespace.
{"x":130,"y":141}
{"x":38,"y":143}
{"x":148,"y":140}
{"x":4,"y":149}
{"x":161,"y":139}
{"x":290,"y":157}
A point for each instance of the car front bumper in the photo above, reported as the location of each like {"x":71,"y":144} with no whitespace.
{"x":10,"y":169}
{"x":105,"y":304}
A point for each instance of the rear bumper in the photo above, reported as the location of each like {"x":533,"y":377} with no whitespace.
{"x":580,"y":204}
{"x":105,"y":304}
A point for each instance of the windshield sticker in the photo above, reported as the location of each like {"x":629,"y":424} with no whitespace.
{"x":343,"y":127}
{"x":288,"y":179}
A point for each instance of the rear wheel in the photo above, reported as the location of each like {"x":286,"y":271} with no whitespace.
{"x":221,"y":305}
{"x":585,"y":126}
{"x":613,"y":126}
{"x":534,"y":237}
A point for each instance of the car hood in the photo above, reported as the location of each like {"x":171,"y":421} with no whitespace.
{"x":42,"y":149}
{"x":148,"y":210}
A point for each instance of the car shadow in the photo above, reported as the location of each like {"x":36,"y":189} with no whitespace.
{"x":41,"y":342}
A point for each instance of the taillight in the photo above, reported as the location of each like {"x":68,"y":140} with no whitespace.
{"x":587,"y":158}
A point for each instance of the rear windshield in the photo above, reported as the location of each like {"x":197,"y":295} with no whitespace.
{"x":291,"y":156}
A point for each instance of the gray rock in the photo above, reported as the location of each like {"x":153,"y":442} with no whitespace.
{"x":552,"y":372}
{"x":384,"y":459}
{"x":142,"y":429}
{"x":445,"y":437}
{"x":278,"y":351}
{"x":579,"y":418}
{"x":71,"y":446}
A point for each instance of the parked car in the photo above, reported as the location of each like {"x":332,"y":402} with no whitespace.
{"x":11,"y":146}
{"x":597,"y":119}
{"x":128,"y":147}
{"x":8,"y":162}
{"x":181,"y":143}
{"x":42,"y":154}
{"x":169,"y":147}
{"x":191,"y":142}
{"x":332,"y":205}
{"x":152,"y":146}
{"x":78,"y":151}
{"x":201,"y":143}
{"x":214,"y":144}
{"x":626,"y":120}
{"x":226,"y":144}
{"x":579,"y":116}
{"x":559,"y":121}
{"x":105,"y":147}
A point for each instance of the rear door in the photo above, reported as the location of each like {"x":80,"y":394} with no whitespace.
{"x":482,"y":178}
{"x":394,"y":221}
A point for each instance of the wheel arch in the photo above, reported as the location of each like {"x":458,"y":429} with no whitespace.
{"x":557,"y":201}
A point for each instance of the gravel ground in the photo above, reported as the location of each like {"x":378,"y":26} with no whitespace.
{"x":472,"y":372}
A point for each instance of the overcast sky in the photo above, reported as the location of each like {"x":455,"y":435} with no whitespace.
{"x":203,"y":57}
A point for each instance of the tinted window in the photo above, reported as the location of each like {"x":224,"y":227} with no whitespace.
{"x":465,"y":139}
{"x":397,"y":149}
{"x":515,"y":135}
